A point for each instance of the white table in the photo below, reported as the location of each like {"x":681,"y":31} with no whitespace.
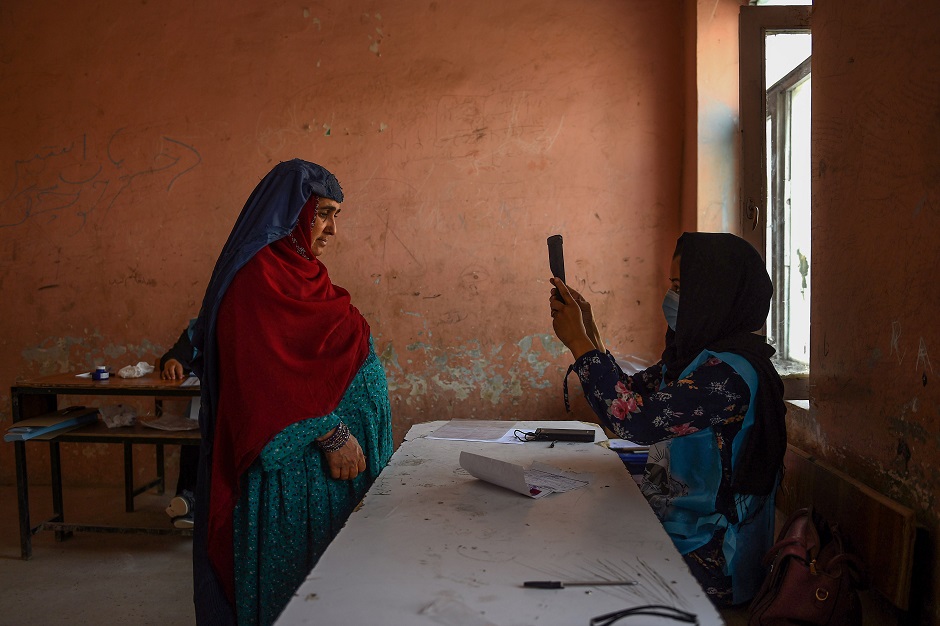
{"x":432,"y":545}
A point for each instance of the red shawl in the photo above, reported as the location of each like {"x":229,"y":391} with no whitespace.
{"x":289,"y":344}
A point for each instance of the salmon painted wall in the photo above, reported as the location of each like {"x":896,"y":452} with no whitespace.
{"x":875,"y":370}
{"x":711,"y":170}
{"x":463,"y":134}
{"x":718,"y":136}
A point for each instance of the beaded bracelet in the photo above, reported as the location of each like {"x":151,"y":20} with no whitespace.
{"x":335,"y":441}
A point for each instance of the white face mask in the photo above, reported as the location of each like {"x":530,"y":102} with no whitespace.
{"x":671,"y":308}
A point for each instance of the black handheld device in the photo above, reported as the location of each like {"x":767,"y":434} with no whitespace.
{"x":564,"y":434}
{"x":556,"y":257}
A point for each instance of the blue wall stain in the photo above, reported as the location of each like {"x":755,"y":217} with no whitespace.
{"x":55,"y":354}
{"x":471,"y":371}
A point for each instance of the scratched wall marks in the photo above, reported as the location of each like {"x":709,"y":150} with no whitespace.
{"x":485,"y":128}
{"x":876,"y":195}
{"x":85,"y":176}
{"x":900,"y":348}
{"x":456,"y":146}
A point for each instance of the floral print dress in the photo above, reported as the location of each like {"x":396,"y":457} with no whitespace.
{"x":693,"y":426}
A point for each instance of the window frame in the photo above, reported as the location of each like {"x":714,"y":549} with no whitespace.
{"x":754,"y":23}
{"x":778,"y":110}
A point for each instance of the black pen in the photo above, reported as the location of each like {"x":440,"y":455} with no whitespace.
{"x":558,"y":584}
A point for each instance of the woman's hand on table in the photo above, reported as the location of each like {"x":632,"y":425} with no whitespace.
{"x":347,"y":462}
{"x":172,"y":370}
{"x":568,"y":319}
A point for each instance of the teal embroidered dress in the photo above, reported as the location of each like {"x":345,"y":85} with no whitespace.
{"x":290,"y":509}
{"x":284,"y":355}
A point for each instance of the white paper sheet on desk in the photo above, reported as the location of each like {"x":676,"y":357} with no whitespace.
{"x":625,"y":445}
{"x":191,"y":381}
{"x":536,"y":482}
{"x":492,"y":431}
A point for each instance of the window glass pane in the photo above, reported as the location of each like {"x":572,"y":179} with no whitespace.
{"x":788,"y":222}
{"x":783,"y":52}
{"x":798,"y":234}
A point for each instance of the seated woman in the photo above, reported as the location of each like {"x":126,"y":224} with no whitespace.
{"x":712,"y":408}
{"x":176,"y":364}
{"x":295,"y":418}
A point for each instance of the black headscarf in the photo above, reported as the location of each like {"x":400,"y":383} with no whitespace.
{"x":724,"y":296}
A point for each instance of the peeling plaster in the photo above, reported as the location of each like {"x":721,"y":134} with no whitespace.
{"x":911,"y":430}
{"x":54,"y":355}
{"x":461,"y":385}
{"x":470,"y":371}
{"x":802,"y":425}
{"x":531,"y":356}
{"x":920,"y":494}
{"x":389,"y":357}
{"x":416,"y":386}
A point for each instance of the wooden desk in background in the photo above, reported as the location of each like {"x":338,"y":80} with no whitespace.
{"x":40,"y":396}
{"x":432,"y":545}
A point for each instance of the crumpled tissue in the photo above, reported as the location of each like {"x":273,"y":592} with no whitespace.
{"x":115,"y":415}
{"x":135,"y":371}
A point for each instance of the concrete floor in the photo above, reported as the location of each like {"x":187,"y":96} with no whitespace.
{"x":94,"y":578}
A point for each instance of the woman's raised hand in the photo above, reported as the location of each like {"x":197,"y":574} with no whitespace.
{"x":347,"y":462}
{"x":590,"y":326}
{"x":568,"y":319}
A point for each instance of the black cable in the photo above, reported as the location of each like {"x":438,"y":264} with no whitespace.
{"x":525,"y":436}
{"x":657,"y":610}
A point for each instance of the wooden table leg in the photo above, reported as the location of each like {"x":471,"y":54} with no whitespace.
{"x":161,"y":467}
{"x":22,"y":501}
{"x":58,"y":508}
{"x":25,"y":405}
{"x":128,"y":477}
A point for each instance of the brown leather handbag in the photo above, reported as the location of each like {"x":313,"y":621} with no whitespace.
{"x":811,"y":578}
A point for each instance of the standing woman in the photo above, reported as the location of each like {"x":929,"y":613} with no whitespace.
{"x":295,"y":418}
{"x":712,"y":408}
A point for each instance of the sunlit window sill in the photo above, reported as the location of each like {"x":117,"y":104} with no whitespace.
{"x":795,"y":376}
{"x":795,"y":386}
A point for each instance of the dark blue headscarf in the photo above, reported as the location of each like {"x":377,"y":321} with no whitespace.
{"x":270,"y":213}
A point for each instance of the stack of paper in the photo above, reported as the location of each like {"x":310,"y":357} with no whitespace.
{"x":536,"y":482}
{"x":36,"y":426}
{"x":493,"y":431}
{"x":624,"y":445}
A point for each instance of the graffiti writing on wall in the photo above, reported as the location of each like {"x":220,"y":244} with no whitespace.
{"x":80,"y":177}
